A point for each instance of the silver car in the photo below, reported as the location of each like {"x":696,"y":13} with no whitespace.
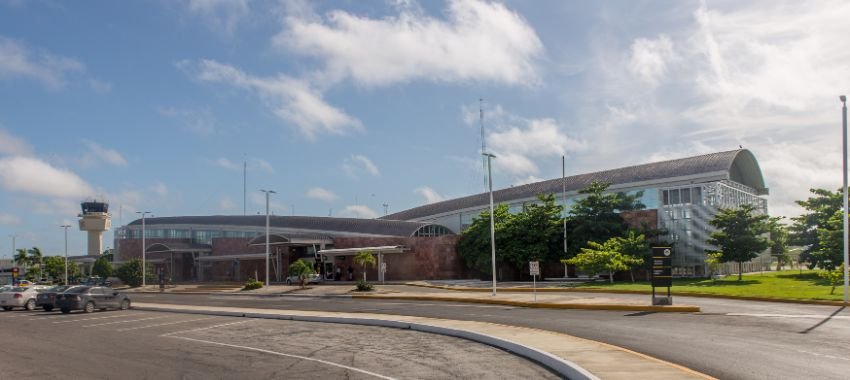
{"x":20,"y":297}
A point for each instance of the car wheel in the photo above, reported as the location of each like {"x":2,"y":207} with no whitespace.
{"x":89,"y":308}
{"x":125,"y":304}
{"x":30,"y":305}
{"x":48,"y":308}
{"x":66,"y":311}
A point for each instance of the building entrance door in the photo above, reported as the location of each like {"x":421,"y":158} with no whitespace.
{"x":329,"y":271}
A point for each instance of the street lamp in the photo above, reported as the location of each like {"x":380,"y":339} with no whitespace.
{"x":844,"y":210}
{"x":492,"y":221}
{"x":143,"y":245}
{"x":65,"y":226}
{"x":268,"y":192}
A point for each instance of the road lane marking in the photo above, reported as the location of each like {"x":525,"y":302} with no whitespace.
{"x":811,"y":316}
{"x":823,"y":355}
{"x":95,"y":318}
{"x":206,"y":328}
{"x":363,"y":371}
{"x":164,"y":324}
{"x":132,"y":320}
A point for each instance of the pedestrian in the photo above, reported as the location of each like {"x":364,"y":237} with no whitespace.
{"x":350,"y":273}
{"x":338,"y":273}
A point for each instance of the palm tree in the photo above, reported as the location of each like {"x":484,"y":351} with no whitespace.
{"x":21,"y":257}
{"x":36,"y":258}
{"x":363,"y":258}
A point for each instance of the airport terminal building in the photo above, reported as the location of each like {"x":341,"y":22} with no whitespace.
{"x":681,"y":196}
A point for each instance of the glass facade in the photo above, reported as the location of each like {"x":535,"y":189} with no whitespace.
{"x":197,"y":236}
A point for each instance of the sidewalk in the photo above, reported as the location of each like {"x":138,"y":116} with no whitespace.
{"x":581,"y":355}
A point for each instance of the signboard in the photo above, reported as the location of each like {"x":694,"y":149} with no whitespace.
{"x":383,"y":267}
{"x":662,"y":266}
{"x":534,"y":268}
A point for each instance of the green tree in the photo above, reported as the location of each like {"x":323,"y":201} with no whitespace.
{"x":636,"y":247}
{"x":778,"y":236}
{"x":535,"y":233}
{"x":807,"y":229}
{"x":474,"y":244}
{"x":130,"y":273}
{"x":303,"y":270}
{"x":831,"y":246}
{"x":595,"y":216}
{"x":834,"y":277}
{"x":713,"y":261}
{"x":21,"y":257}
{"x":54,"y":267}
{"x":603,"y":257}
{"x":364,"y":258}
{"x":35,"y":258}
{"x":102,"y":267}
{"x":738,"y":236}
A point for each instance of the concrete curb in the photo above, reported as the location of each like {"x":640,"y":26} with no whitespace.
{"x":562,"y":367}
{"x":251,"y":294}
{"x":605,"y":291}
{"x":542,"y":305}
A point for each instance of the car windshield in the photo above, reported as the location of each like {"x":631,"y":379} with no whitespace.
{"x":19,"y":289}
{"x":57,"y":289}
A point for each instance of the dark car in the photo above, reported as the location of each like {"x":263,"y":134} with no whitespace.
{"x":46,"y":298}
{"x":91,"y":298}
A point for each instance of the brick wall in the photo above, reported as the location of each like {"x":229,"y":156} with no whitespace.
{"x":429,"y":258}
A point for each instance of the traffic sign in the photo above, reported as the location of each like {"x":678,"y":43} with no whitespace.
{"x":534,"y":268}
{"x":662,"y":266}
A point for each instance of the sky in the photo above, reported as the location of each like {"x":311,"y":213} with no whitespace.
{"x":342,"y":107}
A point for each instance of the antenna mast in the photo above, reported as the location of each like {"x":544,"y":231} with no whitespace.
{"x":483,"y":142}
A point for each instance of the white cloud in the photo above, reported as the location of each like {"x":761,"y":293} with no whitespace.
{"x":261,"y":164}
{"x":56,"y":207}
{"x":227,"y":164}
{"x":527,"y":180}
{"x":9,"y":220}
{"x":33,"y":176}
{"x":226,"y":204}
{"x":358,"y":163}
{"x":16,"y":61}
{"x":292,"y":100}
{"x":222,"y":15}
{"x":429,"y":194}
{"x":253,"y":164}
{"x":13,"y":145}
{"x":96,"y":154}
{"x":200,"y":122}
{"x":160,"y":189}
{"x":322,"y":194}
{"x":478,"y":41}
{"x":650,"y":57}
{"x":358,"y":211}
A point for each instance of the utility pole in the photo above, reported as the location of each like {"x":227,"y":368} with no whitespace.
{"x":492,"y":220}
{"x":65,"y":226}
{"x":144,"y":248}
{"x":244,"y":188}
{"x":844,"y":210}
{"x":268,"y":192}
{"x":564,"y":201}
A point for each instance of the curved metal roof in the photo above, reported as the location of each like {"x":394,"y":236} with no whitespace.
{"x":380,"y":227}
{"x":739,"y":165}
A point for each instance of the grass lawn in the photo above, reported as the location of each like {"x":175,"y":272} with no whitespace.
{"x":789,"y":284}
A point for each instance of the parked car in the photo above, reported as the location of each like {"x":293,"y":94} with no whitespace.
{"x":46,"y":298}
{"x":20,"y":297}
{"x":90,"y":298}
{"x":24,"y":283}
{"x":314,"y":278}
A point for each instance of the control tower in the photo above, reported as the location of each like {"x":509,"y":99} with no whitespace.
{"x":95,"y":219}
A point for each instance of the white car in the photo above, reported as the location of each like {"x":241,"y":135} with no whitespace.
{"x":20,"y":297}
{"x":314,"y":278}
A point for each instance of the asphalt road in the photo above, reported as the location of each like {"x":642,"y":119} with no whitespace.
{"x":157,"y":345}
{"x":728,"y":340}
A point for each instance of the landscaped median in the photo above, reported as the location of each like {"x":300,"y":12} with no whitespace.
{"x":546,"y":301}
{"x":784,"y":286}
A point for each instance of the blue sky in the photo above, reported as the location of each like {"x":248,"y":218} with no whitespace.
{"x":344,"y":106}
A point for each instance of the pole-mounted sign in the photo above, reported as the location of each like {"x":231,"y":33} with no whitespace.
{"x":662,"y":273}
{"x":534,"y":271}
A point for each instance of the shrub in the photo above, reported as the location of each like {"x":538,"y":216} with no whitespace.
{"x":834,"y":277}
{"x":102,"y":268}
{"x":252,"y":284}
{"x":130,"y":273}
{"x":363,"y":286}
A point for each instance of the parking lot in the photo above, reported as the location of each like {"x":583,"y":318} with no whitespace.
{"x":140,"y":344}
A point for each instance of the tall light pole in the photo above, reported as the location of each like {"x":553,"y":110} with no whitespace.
{"x":13,"y":244}
{"x":492,"y":220}
{"x":144,"y":248}
{"x":268,"y":192}
{"x":844,"y":210}
{"x":65,"y":226}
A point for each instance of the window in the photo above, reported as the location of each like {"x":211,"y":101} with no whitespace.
{"x":696,"y":193}
{"x":686,"y":195}
{"x":674,"y":196}
{"x":665,"y":195}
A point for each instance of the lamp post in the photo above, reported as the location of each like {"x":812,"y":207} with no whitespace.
{"x":65,"y":226}
{"x":492,"y":220}
{"x":844,"y":210}
{"x":268,"y":192}
{"x":144,"y":248}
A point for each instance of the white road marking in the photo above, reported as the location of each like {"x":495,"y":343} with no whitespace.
{"x":207,"y":328}
{"x":363,"y":371}
{"x":811,"y":316}
{"x":164,"y":324}
{"x":823,"y":355}
{"x":95,"y":318}
{"x":132,"y":320}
